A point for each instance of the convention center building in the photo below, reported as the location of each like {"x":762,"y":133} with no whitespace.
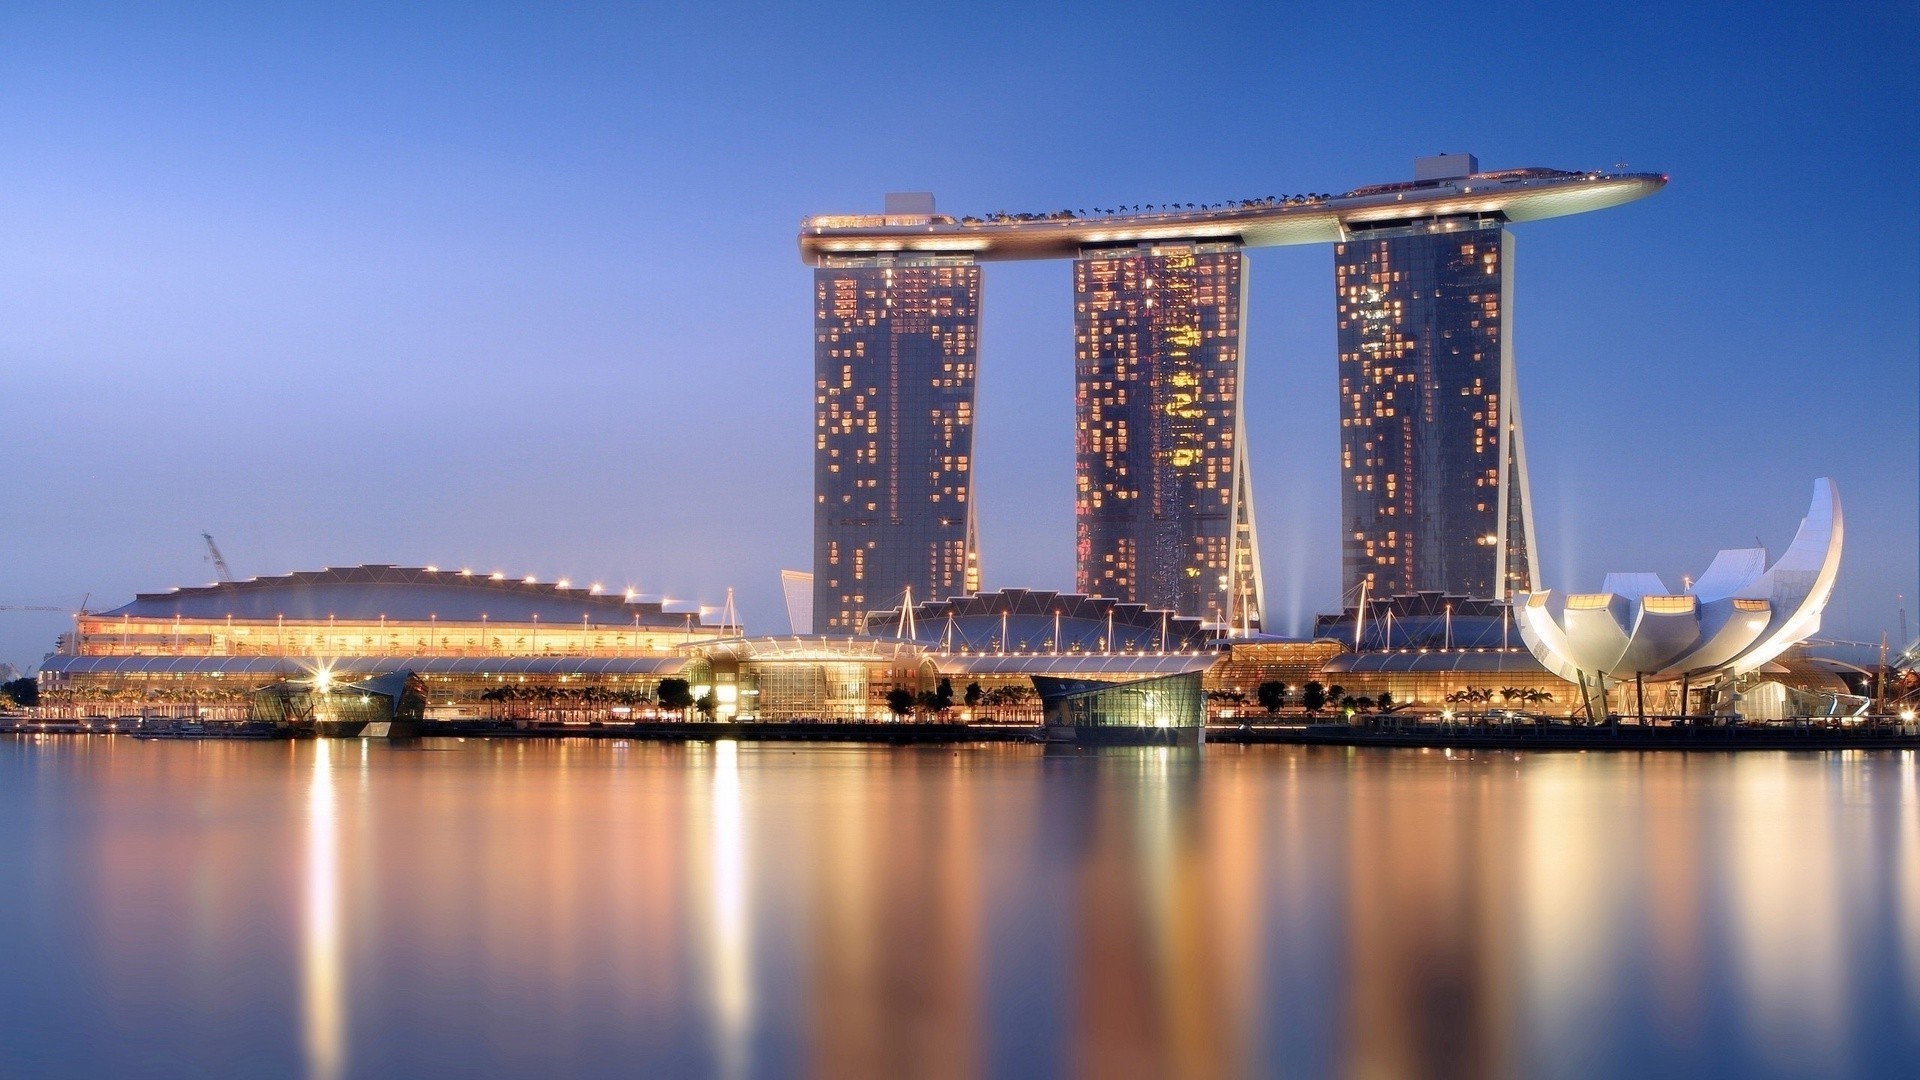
{"x":477,"y":642}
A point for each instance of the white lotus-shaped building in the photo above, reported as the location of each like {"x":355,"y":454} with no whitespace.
{"x":1739,"y":615}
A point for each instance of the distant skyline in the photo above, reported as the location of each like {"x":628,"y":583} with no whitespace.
{"x":514,"y":288}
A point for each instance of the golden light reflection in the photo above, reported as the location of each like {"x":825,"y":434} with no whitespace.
{"x":325,"y":1027}
{"x":1571,"y":877}
{"x":1907,"y":853}
{"x":732,"y":946}
{"x":1786,"y":909}
{"x":1430,"y":882}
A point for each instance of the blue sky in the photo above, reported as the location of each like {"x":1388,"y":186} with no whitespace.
{"x":516,"y":287}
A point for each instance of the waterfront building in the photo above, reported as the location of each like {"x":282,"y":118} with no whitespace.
{"x":1099,"y":670}
{"x":896,"y":343}
{"x":1734,"y":620}
{"x":1164,"y":511}
{"x":1433,"y":456}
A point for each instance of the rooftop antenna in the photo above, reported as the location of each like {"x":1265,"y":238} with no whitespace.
{"x":1902,"y":601}
{"x":219,"y":561}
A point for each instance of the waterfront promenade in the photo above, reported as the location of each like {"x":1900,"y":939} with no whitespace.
{"x":1885,"y":733}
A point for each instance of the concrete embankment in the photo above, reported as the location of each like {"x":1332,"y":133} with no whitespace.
{"x":894,"y":734}
{"x":1810,"y":736}
{"x":1513,"y":736}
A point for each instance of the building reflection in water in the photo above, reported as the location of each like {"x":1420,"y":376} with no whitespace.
{"x":891,"y":936}
{"x":1429,"y":888}
{"x":1786,"y":908}
{"x":1906,"y":811}
{"x":592,"y":907}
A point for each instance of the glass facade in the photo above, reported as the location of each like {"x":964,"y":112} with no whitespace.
{"x":1163,"y":510}
{"x":1173,"y":701}
{"x":305,"y":703}
{"x":1433,"y":469}
{"x":896,"y":344}
{"x":109,"y":635}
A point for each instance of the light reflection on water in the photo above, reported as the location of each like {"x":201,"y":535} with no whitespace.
{"x":730,"y":941}
{"x":325,"y":1032}
{"x":537,"y":908}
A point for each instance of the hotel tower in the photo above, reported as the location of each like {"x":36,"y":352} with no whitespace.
{"x":1433,"y":467}
{"x":896,"y":341}
{"x":1163,"y":512}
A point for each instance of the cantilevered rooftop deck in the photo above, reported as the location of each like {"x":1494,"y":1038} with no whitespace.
{"x":1513,"y":195}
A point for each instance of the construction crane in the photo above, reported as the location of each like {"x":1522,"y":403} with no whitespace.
{"x":219,"y":561}
{"x":30,"y":607}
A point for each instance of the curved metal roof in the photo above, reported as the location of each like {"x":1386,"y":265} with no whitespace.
{"x":1080,"y":665}
{"x":1515,"y":194}
{"x":400,"y":594}
{"x":1517,"y":661}
{"x":1747,"y":615}
{"x":975,"y":621}
{"x":819,"y":648}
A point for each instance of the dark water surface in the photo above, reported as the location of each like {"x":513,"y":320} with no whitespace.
{"x":536,"y":908}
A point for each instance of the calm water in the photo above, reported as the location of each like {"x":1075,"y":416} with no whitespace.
{"x":596,"y":908}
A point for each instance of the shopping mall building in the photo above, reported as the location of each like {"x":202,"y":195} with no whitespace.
{"x":479,"y":647}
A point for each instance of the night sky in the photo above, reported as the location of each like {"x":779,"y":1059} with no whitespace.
{"x":516,"y":287}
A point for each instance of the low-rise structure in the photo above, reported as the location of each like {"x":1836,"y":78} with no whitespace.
{"x":470,"y":638}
